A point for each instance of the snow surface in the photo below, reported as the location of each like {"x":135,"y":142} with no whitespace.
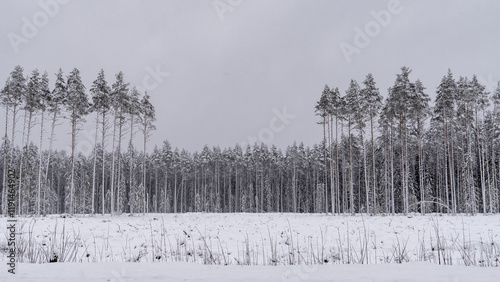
{"x":119,"y":248}
{"x":179,"y":271}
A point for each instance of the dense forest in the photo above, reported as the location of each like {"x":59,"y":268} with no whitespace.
{"x":394,"y":155}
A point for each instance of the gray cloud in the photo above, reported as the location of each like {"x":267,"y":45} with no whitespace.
{"x":226,"y":77}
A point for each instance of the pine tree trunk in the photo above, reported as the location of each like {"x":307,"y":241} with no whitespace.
{"x":324,"y":162}
{"x":237,"y":192}
{"x":386,"y":171}
{"x":113,"y":153}
{"x":493,"y":173}
{"x":4,"y":185}
{"x":407,"y":171}
{"x":175,"y":190}
{"x":73,"y":143}
{"x":445,"y":159}
{"x":131,"y":161}
{"x":367,"y":189}
{"x":103,"y":138}
{"x":14,"y":122}
{"x":393,"y":196}
{"x":403,"y":172}
{"x":481,"y":162}
{"x":119,"y":176}
{"x":451,"y":166}
{"x":337,"y":179}
{"x":52,"y":136}
{"x":420,"y":170}
{"x":165,"y":187}
{"x":332,"y":169}
{"x":95,"y":163}
{"x":23,"y":150}
{"x":374,"y":179}
{"x":351,"y":175}
{"x":144,"y":167}
{"x":294,"y":191}
{"x":12,"y":149}
{"x":40,"y":167}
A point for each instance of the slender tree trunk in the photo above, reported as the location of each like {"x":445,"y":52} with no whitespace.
{"x":103,"y":139}
{"x":367,"y":188}
{"x":118,"y":182}
{"x":332,"y":170}
{"x":351,"y":175}
{"x":374,"y":179}
{"x":481,"y":162}
{"x":407,"y":171}
{"x":5,"y":141}
{"x":488,"y":176}
{"x":165,"y":187}
{"x":337,"y":178}
{"x":237,"y":192}
{"x":493,"y":173}
{"x":73,"y":143}
{"x":420,"y":169}
{"x":51,"y":141}
{"x":131,"y":161}
{"x":445,"y":159}
{"x":332,"y":177}
{"x":325,"y":171}
{"x":392,"y":169}
{"x":294,"y":194}
{"x":113,"y":153}
{"x":14,"y":122}
{"x":386,"y":171}
{"x":95,"y":163}
{"x":40,"y":167}
{"x":156,"y":190}
{"x":451,"y":166}
{"x":175,"y":190}
{"x":144,"y":166}
{"x":24,"y":150}
{"x":495,"y":183}
{"x":403,"y":183}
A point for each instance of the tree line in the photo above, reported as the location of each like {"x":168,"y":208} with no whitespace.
{"x":392,"y":155}
{"x":49,"y":181}
{"x":418,"y":157}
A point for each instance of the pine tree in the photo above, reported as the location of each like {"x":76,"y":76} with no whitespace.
{"x":132,"y":111}
{"x":480,"y":104}
{"x":101,"y":105}
{"x":419,"y":111}
{"x":119,"y":101}
{"x":373,"y":101}
{"x":167,"y":161}
{"x":322,"y":108}
{"x":351,"y":103}
{"x":31,"y":106}
{"x":77,"y":106}
{"x":55,"y":102}
{"x":386,"y":122}
{"x":334,"y":109}
{"x":400,"y":95}
{"x":147,"y":118}
{"x":465,"y":114}
{"x":443,"y":113}
{"x":44,"y":97}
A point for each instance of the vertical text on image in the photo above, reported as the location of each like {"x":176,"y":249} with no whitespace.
{"x":11,"y":221}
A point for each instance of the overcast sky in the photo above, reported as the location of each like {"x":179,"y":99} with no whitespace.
{"x":224,"y":73}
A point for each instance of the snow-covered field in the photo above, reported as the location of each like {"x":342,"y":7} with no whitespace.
{"x":257,"y":247}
